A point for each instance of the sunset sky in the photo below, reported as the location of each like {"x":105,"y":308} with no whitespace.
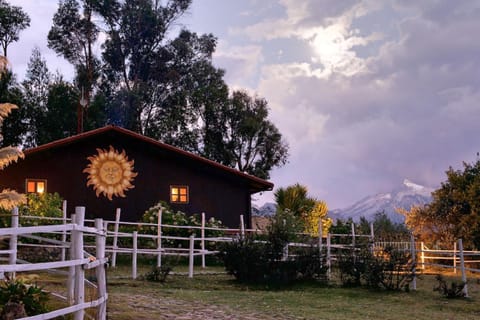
{"x":367,"y":93}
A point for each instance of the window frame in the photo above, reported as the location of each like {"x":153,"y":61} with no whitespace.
{"x":36,"y":185}
{"x":179,"y":195}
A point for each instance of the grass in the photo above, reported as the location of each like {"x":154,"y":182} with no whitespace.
{"x":214,"y":294}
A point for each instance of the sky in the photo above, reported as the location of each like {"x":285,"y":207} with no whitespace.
{"x":367,"y":93}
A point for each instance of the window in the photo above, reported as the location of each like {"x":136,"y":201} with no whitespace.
{"x":178,"y":194}
{"x":36,"y":185}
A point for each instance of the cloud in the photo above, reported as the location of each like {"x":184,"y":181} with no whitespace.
{"x":411,"y":112}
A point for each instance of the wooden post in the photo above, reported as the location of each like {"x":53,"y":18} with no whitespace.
{"x":71,"y":270}
{"x":353,"y":235}
{"x":13,"y":241}
{"x":64,"y":232}
{"x":414,"y":261}
{"x":422,"y":255}
{"x":79,"y":271}
{"x":115,"y":237}
{"x":455,"y":257}
{"x":191,"y":257}
{"x":134,"y":255}
{"x":462,"y":266}
{"x":100,"y":270}
{"x":202,"y":241}
{"x":372,"y":238}
{"x":329,"y":256}
{"x":159,"y":237}
{"x":320,"y":236}
{"x":242,"y":226}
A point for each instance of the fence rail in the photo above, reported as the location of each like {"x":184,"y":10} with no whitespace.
{"x":77,"y":263}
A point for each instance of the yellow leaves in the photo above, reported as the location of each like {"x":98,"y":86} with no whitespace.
{"x":317,"y":214}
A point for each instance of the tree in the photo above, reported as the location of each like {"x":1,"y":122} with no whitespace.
{"x":384,"y":228}
{"x":59,"y":119}
{"x":307,"y":210}
{"x":12,"y":20}
{"x":251,"y":143}
{"x":14,"y":126}
{"x":455,"y":210}
{"x":36,"y":88}
{"x":318,"y":213}
{"x":8,"y":198}
{"x":73,"y":36}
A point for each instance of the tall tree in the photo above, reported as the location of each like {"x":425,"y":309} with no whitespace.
{"x":12,"y":20}
{"x":73,"y":36}
{"x":36,"y":85}
{"x":254,"y":143}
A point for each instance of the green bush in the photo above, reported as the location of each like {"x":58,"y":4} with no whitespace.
{"x":389,"y":269}
{"x":32,"y":298}
{"x":455,"y":290}
{"x":178,"y":218}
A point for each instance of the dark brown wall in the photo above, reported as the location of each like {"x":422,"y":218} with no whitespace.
{"x":212,"y":191}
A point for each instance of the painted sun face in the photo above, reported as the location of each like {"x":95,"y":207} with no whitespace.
{"x":110,"y":173}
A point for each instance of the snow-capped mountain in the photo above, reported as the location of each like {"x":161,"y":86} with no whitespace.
{"x":405,"y":197}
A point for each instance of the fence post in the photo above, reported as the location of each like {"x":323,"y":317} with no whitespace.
{"x":422,"y":255}
{"x":71,"y":270}
{"x":115,"y":237}
{"x":455,"y":257}
{"x":414,"y":261}
{"x":191,"y":256}
{"x":462,"y":266}
{"x":329,"y":256}
{"x":353,"y":235}
{"x":13,"y":241}
{"x":100,"y":270}
{"x":320,"y":236}
{"x":159,"y":237}
{"x":79,"y":271}
{"x":242,"y":226}
{"x":202,"y":241}
{"x":64,"y":232}
{"x":134,"y":255}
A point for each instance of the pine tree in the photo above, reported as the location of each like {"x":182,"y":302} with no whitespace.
{"x":8,"y":198}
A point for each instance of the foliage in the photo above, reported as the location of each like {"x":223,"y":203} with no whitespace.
{"x":178,"y":218}
{"x":318,"y":213}
{"x":383,"y":228}
{"x":253,"y":261}
{"x":454,"y":212}
{"x":253,"y":143}
{"x":158,"y":274}
{"x":388,"y":268}
{"x":41,"y":205}
{"x":33,"y":298}
{"x":8,"y":198}
{"x":12,"y":20}
{"x":306,"y":209}
{"x":454,"y":291}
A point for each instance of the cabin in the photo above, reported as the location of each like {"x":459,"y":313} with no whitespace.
{"x":112,"y":167}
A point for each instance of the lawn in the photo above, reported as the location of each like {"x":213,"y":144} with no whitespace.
{"x":218,"y":296}
{"x":212,"y":294}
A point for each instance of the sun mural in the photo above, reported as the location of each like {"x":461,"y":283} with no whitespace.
{"x":110,"y":173}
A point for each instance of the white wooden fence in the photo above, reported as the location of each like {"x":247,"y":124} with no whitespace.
{"x":77,"y":263}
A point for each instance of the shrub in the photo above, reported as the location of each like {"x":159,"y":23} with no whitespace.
{"x":251,"y":260}
{"x":32,"y":298}
{"x":178,"y":218}
{"x":454,"y":291}
{"x":388,"y":269}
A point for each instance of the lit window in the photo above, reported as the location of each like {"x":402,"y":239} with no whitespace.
{"x":179,"y":194}
{"x":36,"y":185}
